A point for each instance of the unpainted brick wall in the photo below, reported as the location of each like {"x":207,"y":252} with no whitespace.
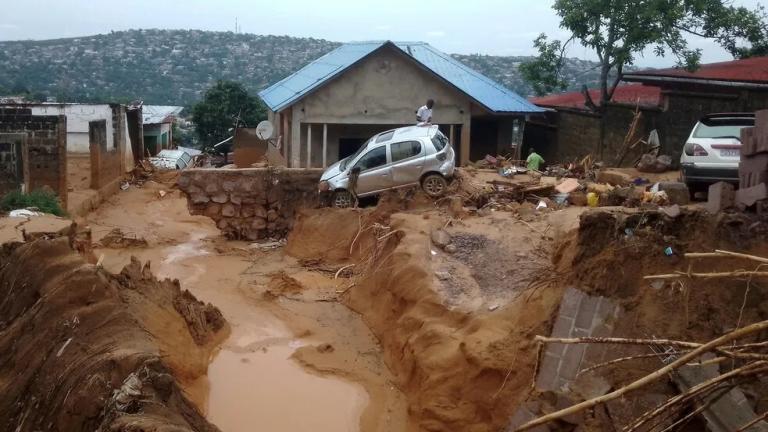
{"x":250,"y":203}
{"x":44,"y":148}
{"x":106,"y":163}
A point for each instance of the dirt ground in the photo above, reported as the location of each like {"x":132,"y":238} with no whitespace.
{"x":295,"y":354}
{"x":405,"y":316}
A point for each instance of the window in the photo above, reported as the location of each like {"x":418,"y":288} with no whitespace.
{"x":722,"y":127}
{"x":440,"y":141}
{"x":404,"y":150}
{"x":374,"y":158}
{"x":385,"y":136}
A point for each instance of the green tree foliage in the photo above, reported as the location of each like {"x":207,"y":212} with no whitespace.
{"x":618,"y":30}
{"x":545,"y":71}
{"x":226,"y":105}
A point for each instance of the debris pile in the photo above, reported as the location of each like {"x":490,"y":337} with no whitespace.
{"x":753,"y":168}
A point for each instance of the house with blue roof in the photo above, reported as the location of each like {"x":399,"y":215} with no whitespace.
{"x":326,"y":110}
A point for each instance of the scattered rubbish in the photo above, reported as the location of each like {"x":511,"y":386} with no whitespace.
{"x":451,"y":249}
{"x":442,"y":275}
{"x":629,"y":232}
{"x":124,"y":185}
{"x":592,"y":199}
{"x":657,"y":284}
{"x":561,"y":198}
{"x":568,"y":185}
{"x":651,"y":164}
{"x":541,"y":205}
{"x":668,"y":251}
{"x":117,"y":239}
{"x":493,"y":307}
{"x":507,"y":172}
{"x":162,"y":193}
{"x":672,"y":211}
{"x":27,"y":212}
{"x":268,"y":245}
{"x":63,"y":347}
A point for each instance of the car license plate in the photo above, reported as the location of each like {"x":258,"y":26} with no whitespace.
{"x":730,"y":153}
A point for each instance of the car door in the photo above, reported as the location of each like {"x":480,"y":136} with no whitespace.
{"x":407,"y":162}
{"x":375,"y":171}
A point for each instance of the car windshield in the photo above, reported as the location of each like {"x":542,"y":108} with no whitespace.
{"x":347,"y":160}
{"x":722,"y":127}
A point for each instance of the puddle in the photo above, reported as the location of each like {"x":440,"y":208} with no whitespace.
{"x":252,"y":383}
{"x":263,"y":389}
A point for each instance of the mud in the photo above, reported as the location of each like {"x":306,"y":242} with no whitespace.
{"x":78,"y":352}
{"x":275,"y":369}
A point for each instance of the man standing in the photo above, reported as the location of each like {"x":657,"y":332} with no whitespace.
{"x":424,"y":114}
{"x":534,"y":161}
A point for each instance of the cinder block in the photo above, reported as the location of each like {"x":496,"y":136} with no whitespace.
{"x":749,"y":196}
{"x":676,"y":191}
{"x":569,"y":305}
{"x":570,"y":364}
{"x":547,"y":377}
{"x":720,"y":197}
{"x":747,"y":141}
{"x":753,"y":170}
{"x":761,"y":121}
{"x":562,"y":327}
{"x":586,"y":315}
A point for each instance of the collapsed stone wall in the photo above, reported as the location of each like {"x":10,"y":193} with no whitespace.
{"x":251,"y":203}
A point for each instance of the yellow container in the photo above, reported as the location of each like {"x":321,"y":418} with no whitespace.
{"x":592,"y":199}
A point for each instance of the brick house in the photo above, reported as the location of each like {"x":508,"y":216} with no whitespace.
{"x":671,"y":101}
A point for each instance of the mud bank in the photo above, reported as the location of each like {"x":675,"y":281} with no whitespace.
{"x":84,"y":349}
{"x":461,"y":368}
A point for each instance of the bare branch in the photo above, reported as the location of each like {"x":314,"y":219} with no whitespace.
{"x":709,"y":346}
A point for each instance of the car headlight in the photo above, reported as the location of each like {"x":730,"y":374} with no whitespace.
{"x":324,"y":186}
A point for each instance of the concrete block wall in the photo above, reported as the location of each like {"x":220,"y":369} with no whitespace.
{"x":580,"y":315}
{"x":252,"y":203}
{"x":44,"y":148}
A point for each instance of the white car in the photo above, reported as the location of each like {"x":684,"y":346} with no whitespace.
{"x":171,"y":159}
{"x":713,"y":150}
{"x":408,"y":156}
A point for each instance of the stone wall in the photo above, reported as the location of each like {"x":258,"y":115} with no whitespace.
{"x":42,"y":141}
{"x":251,"y":203}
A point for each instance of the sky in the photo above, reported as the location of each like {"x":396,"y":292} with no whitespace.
{"x":496,"y":27}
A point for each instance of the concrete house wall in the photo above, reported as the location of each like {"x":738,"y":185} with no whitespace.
{"x":383,"y":91}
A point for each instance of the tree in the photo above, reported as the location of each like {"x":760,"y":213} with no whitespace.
{"x":619,"y":30}
{"x":543,"y":73}
{"x":225,"y":106}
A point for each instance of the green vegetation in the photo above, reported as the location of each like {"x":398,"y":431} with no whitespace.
{"x":543,"y":72}
{"x":619,"y":30}
{"x":226,"y":105}
{"x":175,"y":67}
{"x":44,"y":201}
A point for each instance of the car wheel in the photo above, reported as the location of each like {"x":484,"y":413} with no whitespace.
{"x":434,"y":185}
{"x":342,"y":199}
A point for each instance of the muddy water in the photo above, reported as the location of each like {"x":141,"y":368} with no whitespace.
{"x":252,"y":380}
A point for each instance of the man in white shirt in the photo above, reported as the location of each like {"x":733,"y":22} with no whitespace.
{"x":424,"y":114}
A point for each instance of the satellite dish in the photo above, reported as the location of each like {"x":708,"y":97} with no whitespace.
{"x":264,"y":130}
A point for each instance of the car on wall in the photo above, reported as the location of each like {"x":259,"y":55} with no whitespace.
{"x":397,"y":158}
{"x":171,"y":159}
{"x":713,"y":150}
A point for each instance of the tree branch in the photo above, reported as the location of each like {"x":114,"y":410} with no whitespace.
{"x":682,"y":360}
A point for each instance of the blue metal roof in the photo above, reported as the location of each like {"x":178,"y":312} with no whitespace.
{"x":488,"y":93}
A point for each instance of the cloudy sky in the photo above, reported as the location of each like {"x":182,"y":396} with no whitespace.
{"x":501,"y":27}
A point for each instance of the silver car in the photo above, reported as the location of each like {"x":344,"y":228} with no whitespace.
{"x":408,"y":156}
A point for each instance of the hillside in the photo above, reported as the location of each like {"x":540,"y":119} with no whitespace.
{"x":176,"y":66}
